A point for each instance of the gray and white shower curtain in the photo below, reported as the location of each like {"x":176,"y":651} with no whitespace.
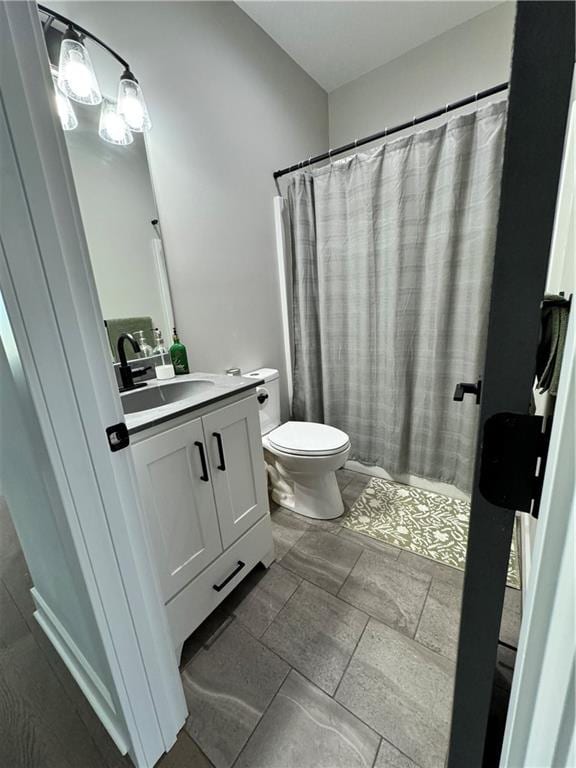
{"x":392,"y":257}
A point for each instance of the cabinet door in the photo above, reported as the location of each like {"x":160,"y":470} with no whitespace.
{"x":179,"y":503}
{"x":237,"y":464}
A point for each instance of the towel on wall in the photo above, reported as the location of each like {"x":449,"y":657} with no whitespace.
{"x":554,"y":325}
{"x":118,"y":325}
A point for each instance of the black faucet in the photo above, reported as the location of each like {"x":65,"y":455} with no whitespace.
{"x":128,"y":374}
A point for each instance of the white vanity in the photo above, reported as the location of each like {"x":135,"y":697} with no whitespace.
{"x":197,"y":448}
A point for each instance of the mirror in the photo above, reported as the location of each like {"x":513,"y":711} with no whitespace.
{"x":118,"y":208}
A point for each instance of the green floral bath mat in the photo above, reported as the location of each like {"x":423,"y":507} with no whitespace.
{"x":426,"y":523}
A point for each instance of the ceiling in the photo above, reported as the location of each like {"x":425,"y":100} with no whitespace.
{"x":336,"y":42}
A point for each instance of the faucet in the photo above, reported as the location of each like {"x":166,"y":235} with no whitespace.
{"x":128,"y":374}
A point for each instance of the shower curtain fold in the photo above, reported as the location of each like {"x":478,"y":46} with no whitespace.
{"x":392,"y":257}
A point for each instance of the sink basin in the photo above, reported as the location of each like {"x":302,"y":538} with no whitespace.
{"x":155,"y":397}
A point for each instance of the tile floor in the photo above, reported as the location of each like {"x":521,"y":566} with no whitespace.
{"x":340,"y":655}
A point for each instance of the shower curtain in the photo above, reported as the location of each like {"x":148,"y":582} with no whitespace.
{"x":392,"y":257}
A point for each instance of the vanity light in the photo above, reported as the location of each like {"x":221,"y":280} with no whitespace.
{"x":112,"y":127}
{"x":76,"y":76}
{"x":131,"y":104}
{"x":66,"y":113}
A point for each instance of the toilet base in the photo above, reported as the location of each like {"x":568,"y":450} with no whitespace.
{"x":309,"y":494}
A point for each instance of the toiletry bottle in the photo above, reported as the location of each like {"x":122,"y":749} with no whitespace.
{"x":159,"y":348}
{"x":178,"y":356}
{"x":145,"y":348}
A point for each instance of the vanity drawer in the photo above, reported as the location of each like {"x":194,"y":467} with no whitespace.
{"x":188,"y":609}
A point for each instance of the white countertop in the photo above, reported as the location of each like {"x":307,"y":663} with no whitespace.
{"x":224,"y":386}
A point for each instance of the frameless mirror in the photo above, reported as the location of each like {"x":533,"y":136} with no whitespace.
{"x":118,"y":209}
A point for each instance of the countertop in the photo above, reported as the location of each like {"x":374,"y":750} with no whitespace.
{"x":224,"y":386}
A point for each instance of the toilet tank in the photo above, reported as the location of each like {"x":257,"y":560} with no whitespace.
{"x":268,"y":395}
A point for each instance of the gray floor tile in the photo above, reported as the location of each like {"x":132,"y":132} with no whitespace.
{"x":440,"y":620}
{"x":316,"y":633}
{"x":387,"y":590}
{"x":354,"y":488}
{"x":184,"y":754}
{"x":304,"y":728}
{"x":511,"y":616}
{"x":228,"y":687}
{"x":368,"y":542}
{"x":403,"y":691}
{"x":344,"y":477}
{"x":262,"y":602}
{"x":322,"y":558}
{"x":390,"y":757}
{"x":287,"y":529}
{"x":435,"y":569}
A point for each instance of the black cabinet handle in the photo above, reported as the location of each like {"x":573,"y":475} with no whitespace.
{"x":204,"y":475}
{"x":222,"y":464}
{"x":228,"y":579}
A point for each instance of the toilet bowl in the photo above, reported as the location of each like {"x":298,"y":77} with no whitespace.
{"x":301,"y":457}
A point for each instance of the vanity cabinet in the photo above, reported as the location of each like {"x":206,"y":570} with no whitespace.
{"x":236,"y":463}
{"x":177,"y":497}
{"x":203,"y":490}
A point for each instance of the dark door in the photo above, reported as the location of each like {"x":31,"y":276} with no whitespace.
{"x":540,"y":82}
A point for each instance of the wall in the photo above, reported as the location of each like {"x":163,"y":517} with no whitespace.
{"x":28,"y":483}
{"x":466,"y":59}
{"x":228,"y":107}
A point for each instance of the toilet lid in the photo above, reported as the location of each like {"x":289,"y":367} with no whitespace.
{"x":304,"y":438}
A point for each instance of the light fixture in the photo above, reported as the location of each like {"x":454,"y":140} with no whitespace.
{"x":66,"y":113}
{"x":131,"y":104}
{"x":112,"y":127}
{"x":76,"y":76}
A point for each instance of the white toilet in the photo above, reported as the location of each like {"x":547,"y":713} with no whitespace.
{"x":301,"y":457}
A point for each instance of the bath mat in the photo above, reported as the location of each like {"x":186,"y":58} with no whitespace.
{"x":426,"y":523}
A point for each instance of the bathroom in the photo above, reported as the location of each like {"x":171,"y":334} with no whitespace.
{"x":262,"y":564}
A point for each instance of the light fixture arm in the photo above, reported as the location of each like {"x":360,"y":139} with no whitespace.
{"x":54,"y":15}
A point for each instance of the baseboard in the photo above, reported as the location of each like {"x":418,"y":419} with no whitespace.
{"x":89,"y":682}
{"x":417,"y":482}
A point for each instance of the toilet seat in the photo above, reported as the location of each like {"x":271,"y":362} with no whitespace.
{"x":304,"y":438}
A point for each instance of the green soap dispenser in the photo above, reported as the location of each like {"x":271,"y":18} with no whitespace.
{"x":178,"y":356}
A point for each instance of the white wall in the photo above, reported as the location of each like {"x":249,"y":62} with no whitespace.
{"x":28,"y":483}
{"x":466,"y":59}
{"x":228,"y":107}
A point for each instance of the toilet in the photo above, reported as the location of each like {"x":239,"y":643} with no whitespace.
{"x":301,"y":457}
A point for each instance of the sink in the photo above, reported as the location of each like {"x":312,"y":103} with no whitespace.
{"x":145,"y":399}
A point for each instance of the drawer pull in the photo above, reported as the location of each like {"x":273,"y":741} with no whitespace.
{"x":204,"y":475}
{"x":235,"y":572}
{"x":222,"y":464}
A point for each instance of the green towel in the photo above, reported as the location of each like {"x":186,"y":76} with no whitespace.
{"x":118,"y":325}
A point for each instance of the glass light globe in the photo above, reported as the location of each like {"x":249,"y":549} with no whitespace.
{"x":76,"y":76}
{"x":131,"y":104}
{"x":66,"y":113}
{"x":112,"y":127}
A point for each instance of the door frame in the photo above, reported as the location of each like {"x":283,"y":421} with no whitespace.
{"x":540,"y":84}
{"x":540,"y":723}
{"x":52,"y":304}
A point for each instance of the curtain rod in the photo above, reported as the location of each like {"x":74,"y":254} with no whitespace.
{"x":69,"y":23}
{"x":388,"y":131}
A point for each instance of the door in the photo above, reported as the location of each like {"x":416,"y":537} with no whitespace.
{"x":177,"y":497}
{"x":237,"y":466}
{"x":60,"y":364}
{"x":542,"y":62}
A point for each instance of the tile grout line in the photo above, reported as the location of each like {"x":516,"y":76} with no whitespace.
{"x":422,"y":610}
{"x":265,"y":710}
